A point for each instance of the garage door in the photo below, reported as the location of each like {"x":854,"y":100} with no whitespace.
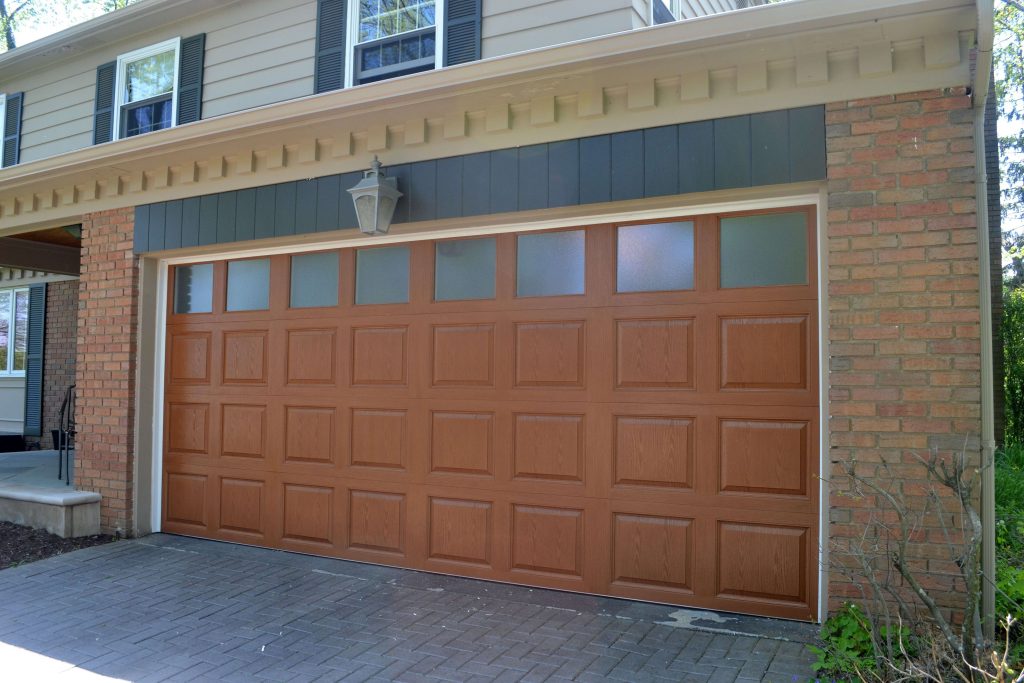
{"x":627,"y":409}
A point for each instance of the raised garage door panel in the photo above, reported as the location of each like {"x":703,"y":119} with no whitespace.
{"x":652,"y":445}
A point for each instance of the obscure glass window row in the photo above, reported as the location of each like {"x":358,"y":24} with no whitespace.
{"x":755,"y":251}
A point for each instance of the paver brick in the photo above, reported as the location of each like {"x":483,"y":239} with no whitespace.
{"x":172,"y":609}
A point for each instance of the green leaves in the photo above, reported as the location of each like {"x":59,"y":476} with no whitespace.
{"x":846,"y":644}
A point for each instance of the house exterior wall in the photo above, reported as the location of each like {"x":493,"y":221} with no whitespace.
{"x":12,"y":404}
{"x":59,"y":351}
{"x":514,"y":26}
{"x":105,"y":367}
{"x":257,"y":52}
{"x":901,"y":232}
{"x":904,"y":329}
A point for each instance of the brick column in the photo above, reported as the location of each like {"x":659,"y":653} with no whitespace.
{"x":59,"y":351}
{"x":904,"y":325}
{"x":107,"y":347}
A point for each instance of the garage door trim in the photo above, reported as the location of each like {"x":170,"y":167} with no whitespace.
{"x":160,"y":269}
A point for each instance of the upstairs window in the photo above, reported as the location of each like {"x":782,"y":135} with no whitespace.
{"x":394,"y":38}
{"x":146,"y":93}
{"x":3,"y":117}
{"x":665,"y":11}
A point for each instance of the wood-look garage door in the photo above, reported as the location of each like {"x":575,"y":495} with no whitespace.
{"x":620,"y":409}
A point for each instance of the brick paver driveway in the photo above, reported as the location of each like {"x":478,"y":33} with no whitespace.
{"x":169,"y":608}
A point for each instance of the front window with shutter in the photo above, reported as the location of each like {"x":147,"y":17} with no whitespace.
{"x":146,"y":92}
{"x":3,"y":117}
{"x":394,"y":38}
{"x":13,"y":331}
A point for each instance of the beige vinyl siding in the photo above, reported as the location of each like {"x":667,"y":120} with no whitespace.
{"x":264,"y":58}
{"x":257,"y":52}
{"x":517,"y":25}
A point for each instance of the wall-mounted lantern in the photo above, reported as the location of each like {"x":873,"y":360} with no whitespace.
{"x":375,"y":197}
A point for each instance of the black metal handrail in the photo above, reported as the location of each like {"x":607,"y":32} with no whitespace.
{"x":66,"y":435}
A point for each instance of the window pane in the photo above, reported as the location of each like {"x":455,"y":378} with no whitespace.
{"x":149,"y":77}
{"x":549,"y":264}
{"x":5,"y":328}
{"x":655,"y":258}
{"x":314,"y":280}
{"x":20,"y":330}
{"x":193,"y":288}
{"x":146,"y":118}
{"x":759,"y":251}
{"x":464,"y":269}
{"x":249,"y":285}
{"x":382,"y":275}
{"x":383,"y":18}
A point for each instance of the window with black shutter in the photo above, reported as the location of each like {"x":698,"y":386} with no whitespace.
{"x":362,"y":41}
{"x":150,"y":89}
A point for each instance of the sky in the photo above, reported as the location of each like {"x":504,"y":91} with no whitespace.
{"x":56,"y":20}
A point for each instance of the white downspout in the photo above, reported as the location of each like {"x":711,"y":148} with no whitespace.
{"x":982,"y":77}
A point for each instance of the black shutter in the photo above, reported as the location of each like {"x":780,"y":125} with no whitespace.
{"x":190,"y":78}
{"x":12,"y":130}
{"x":461,"y":31}
{"x":330,"y":45}
{"x":103,"y":118}
{"x":34,"y":361}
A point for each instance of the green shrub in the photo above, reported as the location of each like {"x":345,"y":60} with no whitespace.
{"x":846,"y":644}
{"x":1009,"y":475}
{"x":1013,"y":359}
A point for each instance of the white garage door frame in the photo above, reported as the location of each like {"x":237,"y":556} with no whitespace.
{"x":818,"y":200}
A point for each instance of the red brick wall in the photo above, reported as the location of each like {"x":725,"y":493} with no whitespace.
{"x":107,"y":347}
{"x":59,"y":351}
{"x":905,"y":323}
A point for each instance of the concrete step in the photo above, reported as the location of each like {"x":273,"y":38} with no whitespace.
{"x":66,"y":513}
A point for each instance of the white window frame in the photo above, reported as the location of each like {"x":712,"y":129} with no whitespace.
{"x":352,"y":35}
{"x":3,"y":122}
{"x":135,"y":55}
{"x":674,"y":6}
{"x":9,"y":371}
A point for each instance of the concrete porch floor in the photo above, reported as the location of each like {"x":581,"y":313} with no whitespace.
{"x":33,"y":468}
{"x":32,"y":495}
{"x":167,"y":608}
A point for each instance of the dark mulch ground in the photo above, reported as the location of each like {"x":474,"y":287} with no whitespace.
{"x":20,"y":544}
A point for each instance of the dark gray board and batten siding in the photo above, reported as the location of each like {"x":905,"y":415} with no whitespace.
{"x":752,"y":150}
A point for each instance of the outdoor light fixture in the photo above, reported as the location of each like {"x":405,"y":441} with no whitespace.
{"x":375,"y":197}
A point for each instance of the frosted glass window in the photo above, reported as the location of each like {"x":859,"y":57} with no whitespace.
{"x":314,"y":280}
{"x":193,"y":288}
{"x":249,"y":285}
{"x":655,"y":258}
{"x":382,"y":275}
{"x":766,"y":250}
{"x":551,"y":263}
{"x":464,"y":269}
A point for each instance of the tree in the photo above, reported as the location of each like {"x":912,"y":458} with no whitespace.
{"x":56,"y":14}
{"x":10,"y":17}
{"x":1008,"y":57}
